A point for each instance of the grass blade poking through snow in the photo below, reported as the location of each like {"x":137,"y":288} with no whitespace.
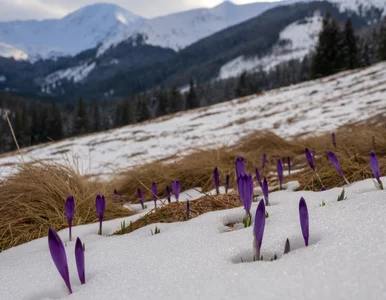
{"x":58,"y":254}
{"x":100,"y":206}
{"x":287,"y":247}
{"x":258,"y":229}
{"x":70,"y":210}
{"x":140,"y":197}
{"x":335,"y":162}
{"x":240,"y":167}
{"x":79,"y":258}
{"x":216,"y":178}
{"x":304,"y":222}
{"x":279,"y":168}
{"x":266,"y":191}
{"x":374,"y":164}
{"x":176,"y":187}
{"x":187,"y":209}
{"x":245,"y":187}
{"x":154,"y":192}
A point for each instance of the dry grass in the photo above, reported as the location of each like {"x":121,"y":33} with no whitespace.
{"x":176,"y":211}
{"x":34,"y":198}
{"x":195,"y":170}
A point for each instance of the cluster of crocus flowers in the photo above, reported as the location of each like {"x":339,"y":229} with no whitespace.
{"x":140,"y":197}
{"x":216,"y":178}
{"x":335,"y":162}
{"x":258,"y":229}
{"x":374,"y":164}
{"x":154,"y":192}
{"x":59,"y":257}
{"x":279,"y":168}
{"x":70,"y":211}
{"x":245,"y":188}
{"x":304,"y":222}
{"x":100,"y":206}
{"x":176,"y":188}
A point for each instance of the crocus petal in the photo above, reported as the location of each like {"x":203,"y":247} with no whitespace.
{"x":335,"y":162}
{"x":140,"y":197}
{"x":245,"y":185}
{"x":216,"y":177}
{"x":374,"y":164}
{"x":154,"y":191}
{"x":58,"y":254}
{"x":258,"y":177}
{"x":79,"y":258}
{"x":310,"y":159}
{"x":258,"y":228}
{"x":100,"y":206}
{"x":279,"y":168}
{"x":176,"y":188}
{"x":303,"y":215}
{"x":265,"y":191}
{"x":70,"y":210}
{"x":240,"y":167}
{"x":264,"y":161}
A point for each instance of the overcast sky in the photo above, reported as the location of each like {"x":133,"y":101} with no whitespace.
{"x":41,"y":9}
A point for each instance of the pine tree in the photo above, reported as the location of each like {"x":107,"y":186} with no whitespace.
{"x":143,"y":113}
{"x":328,"y":56}
{"x":53,"y":124}
{"x":162,"y":98}
{"x":242,"y":85}
{"x":349,"y":47}
{"x":174,"y":100}
{"x":96,"y":119}
{"x":191,"y":98}
{"x":382,"y":44}
{"x":81,"y":123}
{"x":126,"y":117}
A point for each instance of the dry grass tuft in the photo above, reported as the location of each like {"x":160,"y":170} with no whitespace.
{"x":176,"y":211}
{"x":33,"y":200}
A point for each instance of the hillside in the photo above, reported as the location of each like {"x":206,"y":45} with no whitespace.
{"x":308,"y":108}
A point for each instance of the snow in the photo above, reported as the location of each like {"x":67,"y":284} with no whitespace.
{"x":301,"y":38}
{"x":201,"y":258}
{"x":311,"y":107}
{"x":11,"y":51}
{"x":75,"y":74}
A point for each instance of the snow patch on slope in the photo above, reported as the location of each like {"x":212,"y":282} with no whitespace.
{"x":11,"y":51}
{"x":300,"y":38}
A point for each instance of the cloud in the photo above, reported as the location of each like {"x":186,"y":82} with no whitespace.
{"x":41,"y":9}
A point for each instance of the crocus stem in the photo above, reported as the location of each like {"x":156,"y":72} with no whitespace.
{"x":217,"y":191}
{"x":345,"y":179}
{"x":318,"y":178}
{"x":100,"y":227}
{"x":70,"y":232}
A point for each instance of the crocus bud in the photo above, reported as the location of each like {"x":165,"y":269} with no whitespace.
{"x":216,"y":177}
{"x":176,"y":189}
{"x":245,"y":187}
{"x":58,"y":254}
{"x":258,"y":177}
{"x":100,"y":206}
{"x":374,"y":164}
{"x":266,"y":191}
{"x":154,"y":192}
{"x":258,"y":229}
{"x":335,"y":162}
{"x":304,"y":223}
{"x":79,"y":258}
{"x":70,"y":211}
{"x":240,"y":167}
{"x":279,"y":168}
{"x":310,"y":159}
{"x":140,"y":197}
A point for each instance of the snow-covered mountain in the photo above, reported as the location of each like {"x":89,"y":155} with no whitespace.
{"x":109,"y":24}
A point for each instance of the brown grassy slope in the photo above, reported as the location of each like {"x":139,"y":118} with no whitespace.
{"x":195,"y":170}
{"x":33,"y":199}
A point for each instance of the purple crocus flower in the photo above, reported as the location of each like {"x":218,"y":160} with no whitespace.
{"x":310,"y":159}
{"x":374,"y":164}
{"x":58,"y":254}
{"x":264,"y":161}
{"x":279,"y":168}
{"x":289,"y":165}
{"x":100,"y":206}
{"x":216,"y":177}
{"x":70,"y":210}
{"x":333,"y":139}
{"x":227,"y":179}
{"x":335,"y":162}
{"x":176,"y":187}
{"x":79,"y":258}
{"x":304,"y":223}
{"x":154,"y":192}
{"x":240,"y":167}
{"x":245,"y":187}
{"x":168,"y":194}
{"x":187,"y":209}
{"x":140,"y":197}
{"x":258,"y":229}
{"x":265,"y":191}
{"x":258,"y":177}
{"x":115,"y":195}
